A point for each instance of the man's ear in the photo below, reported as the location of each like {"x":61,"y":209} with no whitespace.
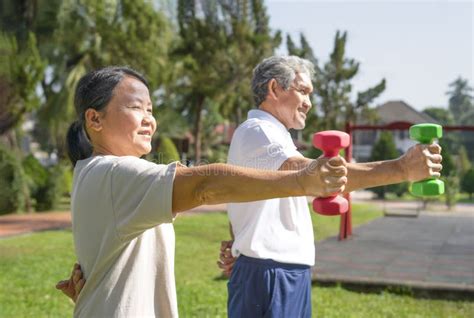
{"x":272,"y":87}
{"x":93,"y":119}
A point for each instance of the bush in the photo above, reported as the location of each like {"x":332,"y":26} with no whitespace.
{"x":59,"y":184}
{"x":385,"y":149}
{"x":166,"y":152}
{"x":401,"y":188}
{"x":14,"y":196}
{"x":47,"y":185}
{"x":467,"y":182}
{"x":37,"y":175}
{"x":449,"y":175}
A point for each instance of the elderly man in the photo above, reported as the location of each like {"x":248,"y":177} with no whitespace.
{"x":273,"y":241}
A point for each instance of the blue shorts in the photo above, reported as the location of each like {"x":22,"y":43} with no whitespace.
{"x":265,"y":288}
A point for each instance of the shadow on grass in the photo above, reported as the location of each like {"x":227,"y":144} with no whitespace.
{"x":220,"y":278}
{"x":419,"y":293}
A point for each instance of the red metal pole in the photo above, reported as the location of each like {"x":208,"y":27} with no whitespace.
{"x":345,"y":228}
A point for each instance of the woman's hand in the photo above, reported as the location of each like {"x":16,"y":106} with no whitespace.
{"x":73,"y":286}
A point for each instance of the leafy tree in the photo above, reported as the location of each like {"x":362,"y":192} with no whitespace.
{"x":92,"y":34}
{"x":442,"y":115}
{"x":333,"y":88}
{"x":220,"y":43}
{"x":384,"y":149}
{"x":21,"y":70}
{"x":251,"y":40}
{"x":461,"y":101}
{"x":461,"y":104}
{"x":467,"y":182}
{"x":449,"y":175}
{"x":463,"y":159}
{"x":445,"y":117}
{"x":15,"y":196}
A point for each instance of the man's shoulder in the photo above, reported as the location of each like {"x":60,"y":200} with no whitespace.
{"x":256,"y":126}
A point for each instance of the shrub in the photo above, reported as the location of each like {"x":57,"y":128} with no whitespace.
{"x":385,"y":149}
{"x":14,"y":194}
{"x":166,"y":152}
{"x":37,"y":176}
{"x":449,"y":175}
{"x":59,"y":183}
{"x":467,"y":182}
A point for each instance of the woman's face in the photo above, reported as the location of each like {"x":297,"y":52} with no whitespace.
{"x":127,"y":124}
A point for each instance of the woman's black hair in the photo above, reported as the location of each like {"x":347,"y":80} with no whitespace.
{"x":94,"y":90}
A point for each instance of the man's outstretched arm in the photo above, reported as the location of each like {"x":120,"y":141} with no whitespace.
{"x":418,"y":163}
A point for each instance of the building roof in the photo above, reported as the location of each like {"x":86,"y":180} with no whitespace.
{"x":395,"y":111}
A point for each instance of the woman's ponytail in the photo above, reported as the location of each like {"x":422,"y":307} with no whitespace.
{"x":78,"y":145}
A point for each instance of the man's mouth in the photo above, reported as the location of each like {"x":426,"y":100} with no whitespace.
{"x":145,"y":133}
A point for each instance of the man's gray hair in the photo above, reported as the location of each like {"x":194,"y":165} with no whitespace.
{"x":283,"y":69}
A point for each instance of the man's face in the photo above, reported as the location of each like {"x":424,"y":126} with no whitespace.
{"x":294,"y":104}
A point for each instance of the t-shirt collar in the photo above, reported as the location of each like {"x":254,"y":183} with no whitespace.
{"x":261,"y":114}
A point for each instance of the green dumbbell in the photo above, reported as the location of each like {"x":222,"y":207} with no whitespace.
{"x":425,"y":134}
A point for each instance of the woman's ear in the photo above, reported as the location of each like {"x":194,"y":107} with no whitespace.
{"x":273,"y":89}
{"x":93,"y":119}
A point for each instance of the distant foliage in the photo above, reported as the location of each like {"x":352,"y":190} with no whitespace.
{"x":385,"y":149}
{"x":47,"y":185}
{"x":449,"y":175}
{"x":166,"y":152}
{"x":14,"y":194}
{"x":333,"y":88}
{"x":467,"y":182}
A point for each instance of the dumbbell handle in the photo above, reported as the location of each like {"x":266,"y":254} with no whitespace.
{"x":330,"y":142}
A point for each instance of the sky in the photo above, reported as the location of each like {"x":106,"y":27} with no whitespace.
{"x":419,"y":46}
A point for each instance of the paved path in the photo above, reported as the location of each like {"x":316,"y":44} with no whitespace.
{"x":17,"y":224}
{"x":434,"y":251}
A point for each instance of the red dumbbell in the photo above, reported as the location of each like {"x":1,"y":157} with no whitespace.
{"x":330,"y":142}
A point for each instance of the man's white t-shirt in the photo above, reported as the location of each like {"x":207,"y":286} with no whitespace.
{"x":124,"y":237}
{"x":277,"y":229}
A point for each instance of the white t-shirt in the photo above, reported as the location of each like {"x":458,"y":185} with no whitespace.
{"x":124,"y":237}
{"x":277,"y":229}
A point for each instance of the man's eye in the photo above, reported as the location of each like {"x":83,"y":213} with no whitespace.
{"x":150,"y":111}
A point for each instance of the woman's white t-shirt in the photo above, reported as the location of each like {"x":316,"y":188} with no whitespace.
{"x":124,"y":237}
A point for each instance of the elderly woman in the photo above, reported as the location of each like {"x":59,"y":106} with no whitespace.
{"x":123,"y":206}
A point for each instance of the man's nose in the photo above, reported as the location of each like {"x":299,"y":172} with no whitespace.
{"x":307,"y":103}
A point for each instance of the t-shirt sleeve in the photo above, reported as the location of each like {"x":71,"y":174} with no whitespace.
{"x":266,"y":148}
{"x":142,"y":194}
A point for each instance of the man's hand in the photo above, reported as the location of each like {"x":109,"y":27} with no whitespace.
{"x":226,"y":260}
{"x":324,"y":177}
{"x":422,"y":162}
{"x":73,"y":286}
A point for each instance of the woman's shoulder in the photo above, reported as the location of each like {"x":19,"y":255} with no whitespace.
{"x":117,"y":164}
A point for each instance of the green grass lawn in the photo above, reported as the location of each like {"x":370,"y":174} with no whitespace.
{"x":30,"y":266}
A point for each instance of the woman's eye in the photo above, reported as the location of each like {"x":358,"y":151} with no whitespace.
{"x":150,"y":111}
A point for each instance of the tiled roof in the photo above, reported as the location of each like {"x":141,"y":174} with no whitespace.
{"x":393,"y":111}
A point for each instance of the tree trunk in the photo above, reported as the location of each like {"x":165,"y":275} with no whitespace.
{"x":198,"y":129}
